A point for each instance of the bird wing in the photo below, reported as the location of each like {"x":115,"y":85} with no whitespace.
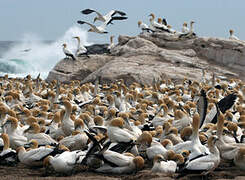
{"x":116,"y":18}
{"x":83,"y":22}
{"x":117,"y":158}
{"x":118,"y":12}
{"x":227,"y":102}
{"x":87,"y":11}
{"x":38,"y":154}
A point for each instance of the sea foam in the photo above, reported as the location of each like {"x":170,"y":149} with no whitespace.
{"x":32,"y":55}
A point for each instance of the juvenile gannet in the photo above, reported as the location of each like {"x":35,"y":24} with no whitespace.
{"x":232,"y":36}
{"x":81,"y":50}
{"x":67,"y":52}
{"x":76,"y":141}
{"x":107,"y":17}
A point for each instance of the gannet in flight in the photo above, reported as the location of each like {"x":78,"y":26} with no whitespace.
{"x":81,"y":50}
{"x":68,"y":52}
{"x":106,"y":18}
{"x":97,"y":29}
{"x":232,"y":36}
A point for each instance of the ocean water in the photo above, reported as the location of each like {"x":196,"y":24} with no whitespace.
{"x":32,"y":55}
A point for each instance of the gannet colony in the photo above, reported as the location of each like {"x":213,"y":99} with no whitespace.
{"x":167,"y":127}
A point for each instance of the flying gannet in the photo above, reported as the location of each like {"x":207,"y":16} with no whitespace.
{"x":106,"y":18}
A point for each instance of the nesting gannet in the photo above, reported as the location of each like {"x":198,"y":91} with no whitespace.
{"x":16,"y":137}
{"x":161,"y":165}
{"x":64,"y":162}
{"x":207,"y":162}
{"x":119,"y":163}
{"x":7,"y":156}
{"x":33,"y":157}
{"x":81,"y":50}
{"x":232,"y":36}
{"x":194,"y":145}
{"x":41,"y":138}
{"x":67,"y":52}
{"x":116,"y":133}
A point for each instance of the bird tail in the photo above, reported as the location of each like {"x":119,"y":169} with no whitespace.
{"x":73,"y":57}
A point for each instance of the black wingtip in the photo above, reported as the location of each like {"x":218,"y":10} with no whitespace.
{"x":87,"y":11}
{"x":80,"y":22}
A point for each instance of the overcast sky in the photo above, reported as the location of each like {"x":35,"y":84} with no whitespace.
{"x":50,"y":19}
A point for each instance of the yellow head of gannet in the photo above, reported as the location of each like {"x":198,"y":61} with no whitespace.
{"x":158,"y":158}
{"x":117,"y":122}
{"x":185,"y":24}
{"x":159,"y":20}
{"x":33,"y":143}
{"x":139,"y":162}
{"x":152,"y":17}
{"x":5,"y":138}
{"x":145,"y":138}
{"x":139,"y":23}
{"x":34,"y":128}
{"x":46,"y":162}
{"x":231,"y":32}
{"x":98,"y":120}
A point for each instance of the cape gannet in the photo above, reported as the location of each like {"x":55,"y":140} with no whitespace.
{"x":144,"y":27}
{"x":112,"y":45}
{"x":232,"y":36}
{"x":97,"y":29}
{"x":8,"y":156}
{"x":157,"y":25}
{"x":81,"y":50}
{"x":106,"y":18}
{"x":67,"y":52}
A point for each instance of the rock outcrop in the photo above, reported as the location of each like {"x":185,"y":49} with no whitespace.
{"x":149,"y":57}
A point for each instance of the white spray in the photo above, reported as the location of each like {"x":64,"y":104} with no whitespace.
{"x":33,"y":56}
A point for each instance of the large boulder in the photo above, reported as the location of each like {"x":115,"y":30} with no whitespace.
{"x":149,"y":57}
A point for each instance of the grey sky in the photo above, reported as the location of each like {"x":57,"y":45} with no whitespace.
{"x":49,"y":19}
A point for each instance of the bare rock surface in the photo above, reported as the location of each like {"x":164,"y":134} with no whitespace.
{"x":149,"y":57}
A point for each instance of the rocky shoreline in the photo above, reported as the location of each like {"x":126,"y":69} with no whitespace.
{"x":147,"y":58}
